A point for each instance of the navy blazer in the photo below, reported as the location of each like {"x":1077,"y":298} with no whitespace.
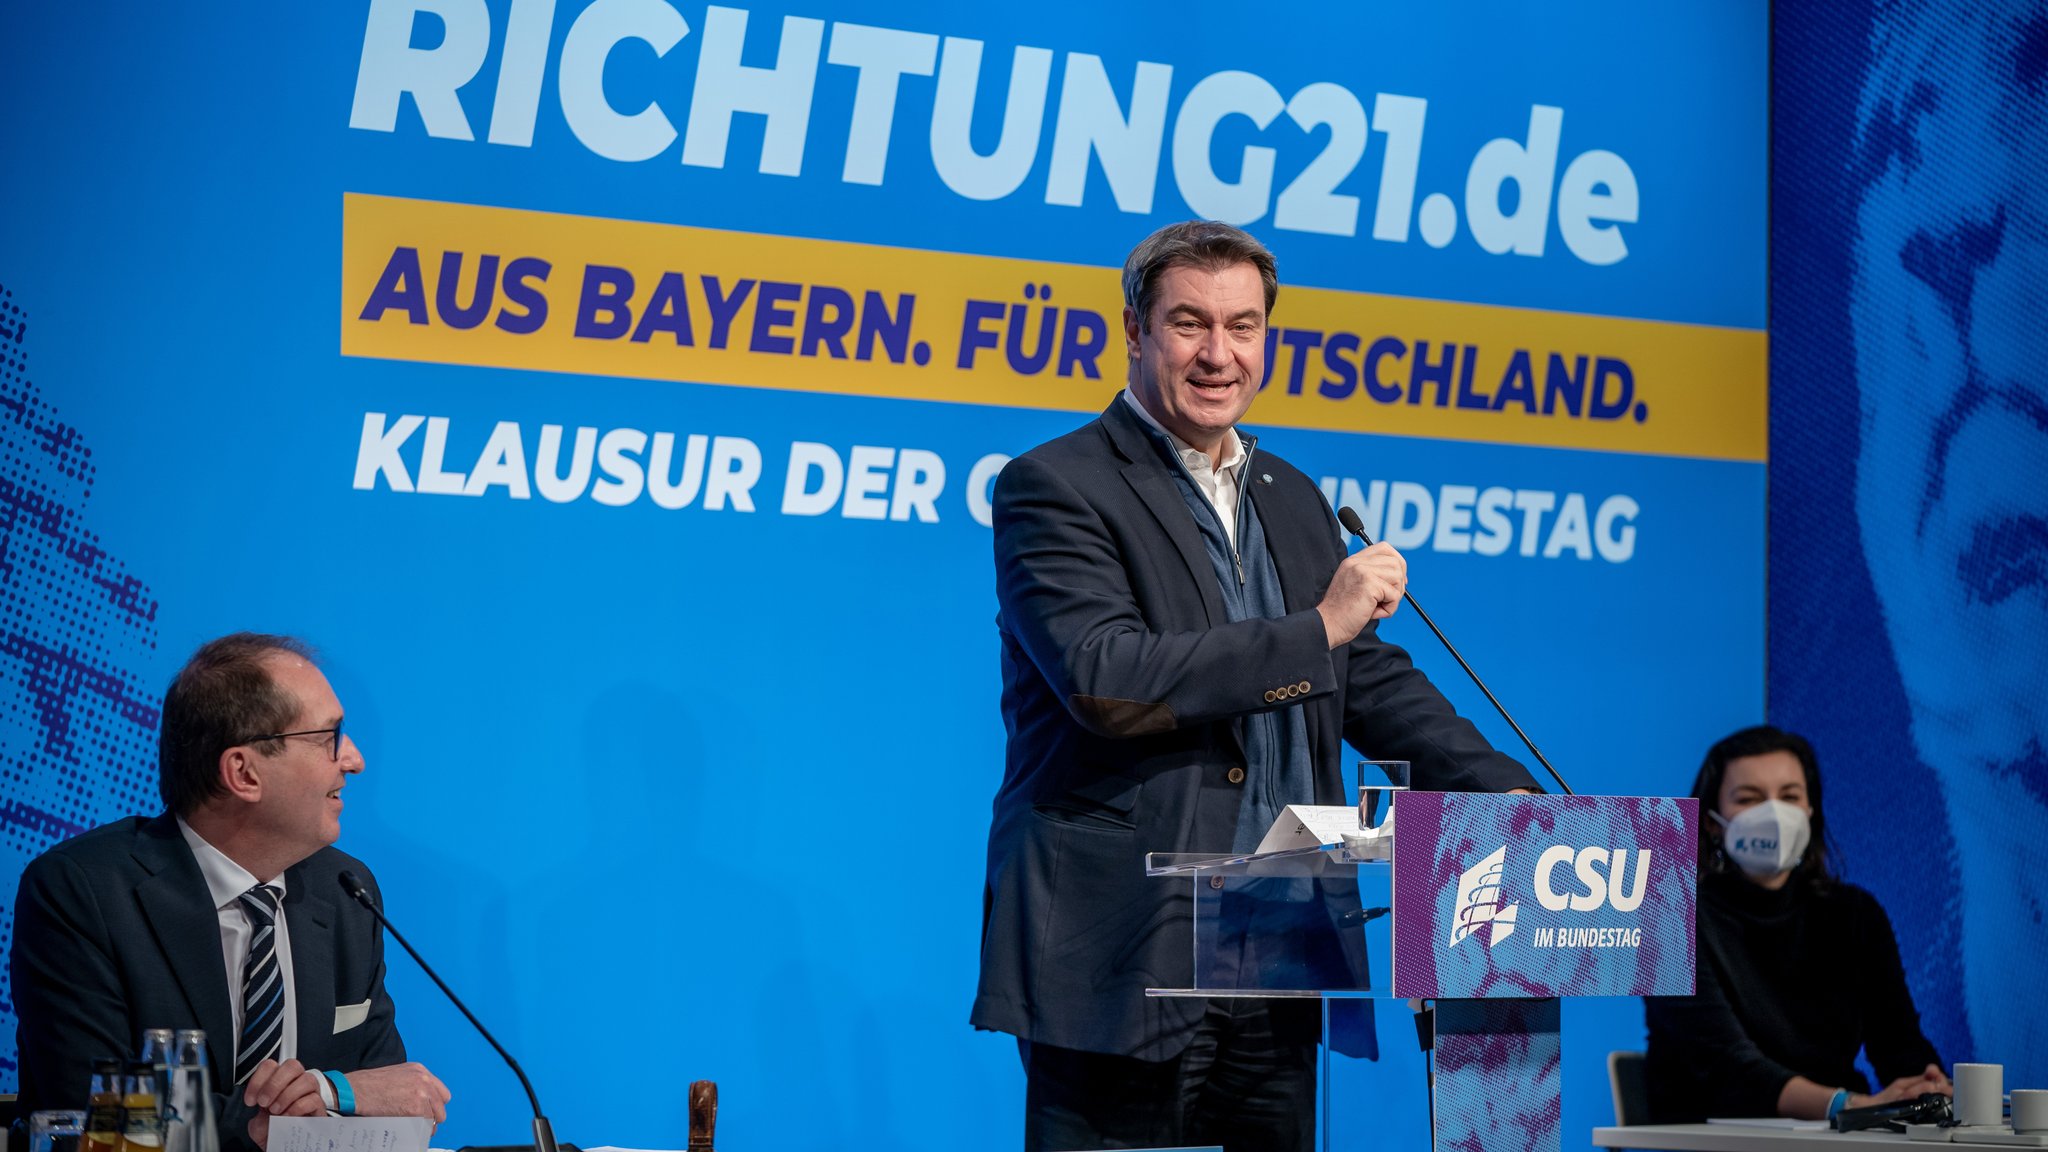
{"x":115,"y":931}
{"x":1124,"y":685}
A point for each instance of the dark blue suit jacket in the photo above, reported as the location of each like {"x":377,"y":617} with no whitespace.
{"x":1124,"y":682}
{"x":115,"y":931}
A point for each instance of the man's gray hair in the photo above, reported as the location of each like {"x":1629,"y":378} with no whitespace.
{"x":1204,"y":244}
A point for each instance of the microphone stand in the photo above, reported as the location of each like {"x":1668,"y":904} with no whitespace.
{"x":543,"y":1132}
{"x":1352,"y":524}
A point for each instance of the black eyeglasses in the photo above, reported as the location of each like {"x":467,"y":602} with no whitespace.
{"x":333,"y":745}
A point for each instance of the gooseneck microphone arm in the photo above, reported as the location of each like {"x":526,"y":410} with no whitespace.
{"x":1352,"y":524}
{"x":543,"y":1132}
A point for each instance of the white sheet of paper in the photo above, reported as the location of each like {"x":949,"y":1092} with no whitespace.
{"x":349,"y":1133}
{"x":1307,"y":825}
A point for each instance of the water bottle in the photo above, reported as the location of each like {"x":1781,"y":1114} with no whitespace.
{"x":156,"y":1047}
{"x":189,"y":1120}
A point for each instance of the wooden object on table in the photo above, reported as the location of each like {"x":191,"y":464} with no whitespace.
{"x":703,"y":1114}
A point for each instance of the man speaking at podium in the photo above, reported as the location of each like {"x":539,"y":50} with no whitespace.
{"x":224,"y":913}
{"x":1185,"y":646}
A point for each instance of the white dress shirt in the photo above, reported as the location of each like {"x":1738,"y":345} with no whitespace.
{"x":1221,"y":485}
{"x":225,"y":883}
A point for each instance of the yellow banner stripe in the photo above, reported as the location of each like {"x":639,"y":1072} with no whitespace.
{"x":465,"y":284}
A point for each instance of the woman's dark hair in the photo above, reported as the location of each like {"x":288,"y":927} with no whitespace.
{"x":1762,"y":740}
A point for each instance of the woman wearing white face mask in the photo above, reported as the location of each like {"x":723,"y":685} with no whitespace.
{"x":1798,"y":971}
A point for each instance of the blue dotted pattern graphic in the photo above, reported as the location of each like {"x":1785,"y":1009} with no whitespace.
{"x":77,"y":731}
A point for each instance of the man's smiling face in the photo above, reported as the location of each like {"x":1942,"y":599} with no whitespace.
{"x":302,"y":782}
{"x":1198,"y":361}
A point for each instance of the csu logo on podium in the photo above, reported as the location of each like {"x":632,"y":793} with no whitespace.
{"x":1481,"y":903}
{"x":1604,"y":874}
{"x":1518,"y":896}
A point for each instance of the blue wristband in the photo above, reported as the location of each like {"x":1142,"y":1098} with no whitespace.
{"x":1835,"y":1105}
{"x":345,"y":1096}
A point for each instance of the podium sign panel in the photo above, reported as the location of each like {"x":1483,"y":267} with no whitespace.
{"x":1535,"y":896}
{"x":1498,"y":906}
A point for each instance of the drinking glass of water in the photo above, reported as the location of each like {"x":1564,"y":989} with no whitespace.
{"x":1378,"y":780}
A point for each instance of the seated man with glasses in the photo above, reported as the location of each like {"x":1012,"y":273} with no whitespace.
{"x":225,"y":913}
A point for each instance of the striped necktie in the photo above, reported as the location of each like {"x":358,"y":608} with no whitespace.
{"x":262,"y":986}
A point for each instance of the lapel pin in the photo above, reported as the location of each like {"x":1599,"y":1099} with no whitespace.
{"x":1265,"y":477}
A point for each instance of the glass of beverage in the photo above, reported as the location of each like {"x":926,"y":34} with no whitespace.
{"x":55,"y":1131}
{"x":1378,"y":780}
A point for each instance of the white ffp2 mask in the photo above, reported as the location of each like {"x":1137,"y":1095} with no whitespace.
{"x":1767,"y":838}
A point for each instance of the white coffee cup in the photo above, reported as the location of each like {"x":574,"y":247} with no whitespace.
{"x":1980,"y":1094}
{"x":2030,"y":1110}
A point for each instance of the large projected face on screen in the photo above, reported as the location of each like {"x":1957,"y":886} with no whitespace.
{"x":1950,"y":313}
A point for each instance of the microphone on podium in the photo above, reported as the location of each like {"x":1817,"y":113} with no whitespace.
{"x":543,"y":1132}
{"x":1348,"y":517}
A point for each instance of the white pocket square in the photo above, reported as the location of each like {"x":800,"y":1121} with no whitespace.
{"x":347,"y":1016}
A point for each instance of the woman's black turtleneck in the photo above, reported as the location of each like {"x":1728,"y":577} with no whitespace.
{"x":1791,"y":982}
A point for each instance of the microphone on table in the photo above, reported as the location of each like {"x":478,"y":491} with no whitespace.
{"x":543,"y":1132}
{"x":1348,"y":517}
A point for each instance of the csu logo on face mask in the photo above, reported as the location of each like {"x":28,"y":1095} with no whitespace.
{"x":1481,"y":904}
{"x":1603,"y":872}
{"x":1753,"y":844}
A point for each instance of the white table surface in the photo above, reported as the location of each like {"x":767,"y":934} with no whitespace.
{"x":1751,"y":1138}
{"x":1744,"y":1138}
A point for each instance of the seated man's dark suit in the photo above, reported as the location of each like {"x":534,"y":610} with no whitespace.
{"x":115,"y":931}
{"x":1124,"y":688}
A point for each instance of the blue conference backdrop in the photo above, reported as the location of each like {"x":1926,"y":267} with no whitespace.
{"x":1909,"y":526}
{"x":612,"y":390}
